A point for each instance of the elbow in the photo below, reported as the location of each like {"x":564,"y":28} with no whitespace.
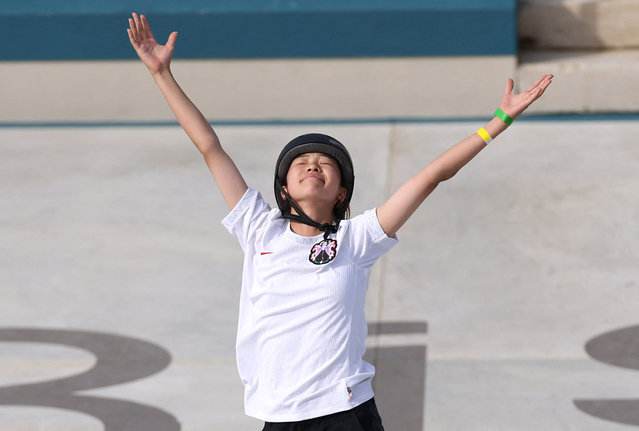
{"x":208,"y":146}
{"x":209,"y":152}
{"x":446,"y":174}
{"x":440,"y":172}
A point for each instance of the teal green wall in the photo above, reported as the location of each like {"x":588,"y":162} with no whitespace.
{"x":92,"y":29}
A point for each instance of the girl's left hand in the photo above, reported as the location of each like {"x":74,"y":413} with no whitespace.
{"x":515,"y":104}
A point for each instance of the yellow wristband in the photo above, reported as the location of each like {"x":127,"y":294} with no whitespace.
{"x":484,"y":135}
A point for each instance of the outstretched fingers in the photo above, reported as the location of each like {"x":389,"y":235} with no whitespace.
{"x":536,"y":84}
{"x":146,"y":27}
{"x":515,"y":104}
{"x":134,"y":24}
{"x":156,"y":57}
{"x":134,"y":30}
{"x":137,"y":24}
{"x":139,"y":29}
{"x":170,"y":43}
{"x":538,"y":88}
{"x":510,"y":84}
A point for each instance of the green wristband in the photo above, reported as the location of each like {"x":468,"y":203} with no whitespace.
{"x":503,"y":116}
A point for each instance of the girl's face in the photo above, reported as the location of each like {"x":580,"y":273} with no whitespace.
{"x":315,"y":177}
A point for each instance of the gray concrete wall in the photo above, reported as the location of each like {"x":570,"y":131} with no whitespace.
{"x":262,"y":90}
{"x":592,"y":47}
{"x":579,"y":24}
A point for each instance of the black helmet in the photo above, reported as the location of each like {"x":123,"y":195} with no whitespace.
{"x":315,"y":143}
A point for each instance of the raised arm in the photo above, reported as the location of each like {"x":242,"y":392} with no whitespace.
{"x":402,"y":204}
{"x":157,"y":59}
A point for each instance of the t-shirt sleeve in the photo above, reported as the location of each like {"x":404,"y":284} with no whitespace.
{"x":369,"y":241}
{"x":246,"y":216}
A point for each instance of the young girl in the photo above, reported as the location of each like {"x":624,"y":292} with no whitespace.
{"x":301,"y":331}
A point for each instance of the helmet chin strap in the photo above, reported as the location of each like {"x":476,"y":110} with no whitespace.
{"x":301,"y":217}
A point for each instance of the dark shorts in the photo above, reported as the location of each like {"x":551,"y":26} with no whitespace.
{"x":364,"y":417}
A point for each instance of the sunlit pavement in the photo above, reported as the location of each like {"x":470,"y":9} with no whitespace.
{"x":510,"y":302}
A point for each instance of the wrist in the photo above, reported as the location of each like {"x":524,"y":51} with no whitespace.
{"x":503,"y":116}
{"x":161,"y":73}
{"x":495,"y":127}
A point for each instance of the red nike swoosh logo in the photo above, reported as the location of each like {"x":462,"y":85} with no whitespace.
{"x":265,"y":252}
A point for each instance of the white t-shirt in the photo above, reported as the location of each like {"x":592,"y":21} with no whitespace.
{"x":302,"y":329}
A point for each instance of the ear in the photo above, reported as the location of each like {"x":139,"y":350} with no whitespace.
{"x":341,"y":196}
{"x":282,"y":194}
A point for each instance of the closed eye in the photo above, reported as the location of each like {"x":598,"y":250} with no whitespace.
{"x":329,"y":162}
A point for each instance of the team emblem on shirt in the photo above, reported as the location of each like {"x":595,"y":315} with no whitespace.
{"x":323,"y":252}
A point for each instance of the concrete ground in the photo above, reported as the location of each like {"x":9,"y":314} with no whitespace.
{"x":509,"y":304}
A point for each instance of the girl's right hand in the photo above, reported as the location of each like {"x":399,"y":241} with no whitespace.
{"x":156,"y":57}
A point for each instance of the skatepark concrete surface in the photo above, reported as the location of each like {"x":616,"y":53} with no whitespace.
{"x":510,"y":303}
